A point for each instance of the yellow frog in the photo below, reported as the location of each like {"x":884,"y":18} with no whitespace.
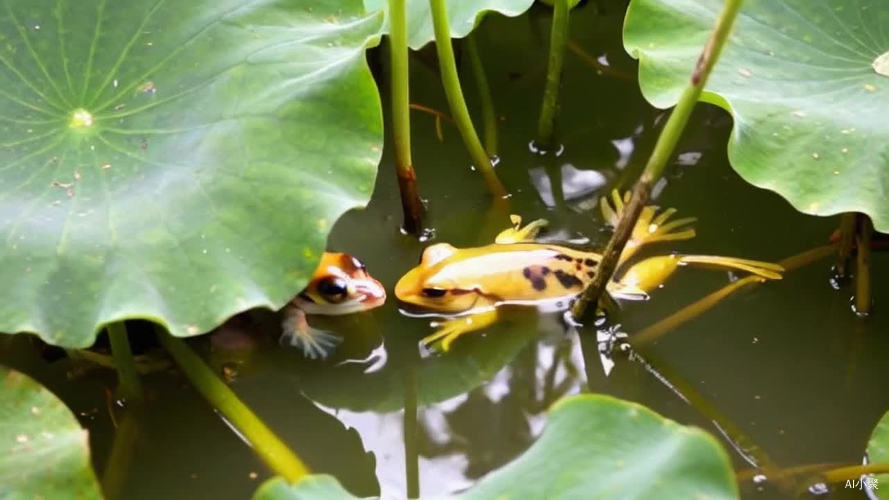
{"x":470,"y":283}
{"x":340,"y":285}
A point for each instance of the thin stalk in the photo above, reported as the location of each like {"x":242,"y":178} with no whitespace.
{"x":489,"y":116}
{"x":557,"y":39}
{"x":120,"y":458}
{"x":411,"y":432}
{"x":862,"y":272}
{"x":853,"y":472}
{"x":266,"y":444}
{"x":846,"y":242}
{"x":401,"y":119}
{"x":129,"y":385}
{"x":454,"y":93}
{"x":663,"y":151}
{"x":695,"y":309}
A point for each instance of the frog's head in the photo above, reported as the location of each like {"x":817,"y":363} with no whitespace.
{"x":432,"y":286}
{"x":341,"y":285}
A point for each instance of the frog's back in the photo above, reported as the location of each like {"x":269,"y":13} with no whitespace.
{"x":519,"y":272}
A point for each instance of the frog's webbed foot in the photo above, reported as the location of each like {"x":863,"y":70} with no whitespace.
{"x":450,"y":330}
{"x":519,"y":234}
{"x":314,"y":343}
{"x":651,"y":227}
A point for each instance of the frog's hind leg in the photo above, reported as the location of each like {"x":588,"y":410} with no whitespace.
{"x":650,"y":273}
{"x":450,"y":330}
{"x":651,"y":227}
{"x":314,"y":343}
{"x":517,"y":233}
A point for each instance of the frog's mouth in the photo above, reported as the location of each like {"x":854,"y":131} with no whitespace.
{"x":369,"y":293}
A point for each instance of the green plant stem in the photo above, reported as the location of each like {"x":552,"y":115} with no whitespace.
{"x":129,"y":385}
{"x":862,"y":272}
{"x":457,"y":103}
{"x":120,"y":458}
{"x":846,"y":242}
{"x":266,"y":444}
{"x":557,"y":40}
{"x":695,"y":309}
{"x":489,"y":116}
{"x":401,"y":119}
{"x":663,"y":151}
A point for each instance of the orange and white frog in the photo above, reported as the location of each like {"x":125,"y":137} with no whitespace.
{"x":466,"y":286}
{"x":340,"y":285}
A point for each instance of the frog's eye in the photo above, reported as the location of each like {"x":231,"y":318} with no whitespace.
{"x":434,"y":293}
{"x":333,"y":289}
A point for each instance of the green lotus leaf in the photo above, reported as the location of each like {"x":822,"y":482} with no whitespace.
{"x":805,"y":81}
{"x":597,"y":446}
{"x":175,"y":161}
{"x":45,"y":453}
{"x":878,"y":451}
{"x":463,"y":16}
{"x":316,"y":486}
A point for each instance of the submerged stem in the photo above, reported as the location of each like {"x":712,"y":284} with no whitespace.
{"x":266,"y":444}
{"x":663,"y":150}
{"x":401,"y":120}
{"x":411,"y":432}
{"x":454,"y":93}
{"x":129,"y":385}
{"x":557,"y":41}
{"x":862,"y":272}
{"x":489,"y":116}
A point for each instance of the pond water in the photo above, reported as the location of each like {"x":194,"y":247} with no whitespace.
{"x":786,"y":366}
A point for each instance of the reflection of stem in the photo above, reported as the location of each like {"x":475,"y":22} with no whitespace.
{"x":128,"y":380}
{"x":862,"y":272}
{"x":489,"y":116}
{"x":121,"y":456}
{"x":411,"y":431}
{"x":703,"y":305}
{"x":457,"y":103}
{"x":557,"y":40}
{"x":742,"y":443}
{"x":401,"y":119}
{"x":663,"y":151}
{"x":846,"y":242}
{"x":266,"y":444}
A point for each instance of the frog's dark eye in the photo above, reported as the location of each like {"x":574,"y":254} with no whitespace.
{"x":333,"y":289}
{"x":434,"y":293}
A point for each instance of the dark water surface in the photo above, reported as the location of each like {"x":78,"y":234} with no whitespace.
{"x":787,"y":364}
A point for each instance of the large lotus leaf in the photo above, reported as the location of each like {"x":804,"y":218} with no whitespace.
{"x":805,"y":83}
{"x":316,"y":486}
{"x":175,"y":160}
{"x":600,"y":447}
{"x":878,"y":451}
{"x":44,"y":452}
{"x":463,"y":16}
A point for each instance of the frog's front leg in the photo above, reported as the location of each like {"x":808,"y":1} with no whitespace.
{"x":450,"y":330}
{"x":298,"y":333}
{"x":519,"y":234}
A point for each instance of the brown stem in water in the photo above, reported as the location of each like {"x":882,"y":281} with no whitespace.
{"x":862,"y":272}
{"x":663,"y":151}
{"x":846,"y":242}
